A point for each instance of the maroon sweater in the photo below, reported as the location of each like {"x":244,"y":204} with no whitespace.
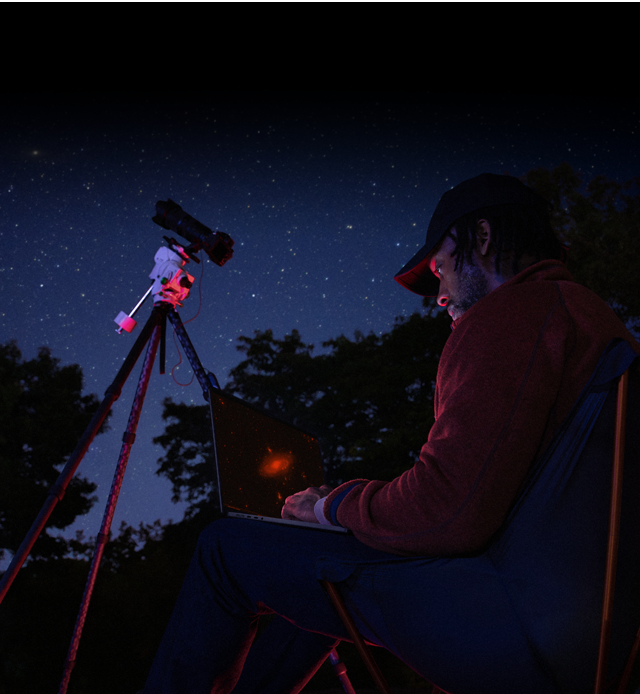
{"x":509,"y":374}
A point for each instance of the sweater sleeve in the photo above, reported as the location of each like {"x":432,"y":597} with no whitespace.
{"x":497,"y":382}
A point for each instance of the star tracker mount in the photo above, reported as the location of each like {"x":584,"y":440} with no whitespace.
{"x":170,"y":282}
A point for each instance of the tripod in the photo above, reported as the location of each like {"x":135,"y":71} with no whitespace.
{"x":155,"y":329}
{"x":153,"y":333}
{"x":171,"y":285}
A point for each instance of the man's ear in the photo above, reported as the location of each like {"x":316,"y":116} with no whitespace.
{"x":483,"y":234}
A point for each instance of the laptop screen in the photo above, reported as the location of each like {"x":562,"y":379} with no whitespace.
{"x":261,"y":460}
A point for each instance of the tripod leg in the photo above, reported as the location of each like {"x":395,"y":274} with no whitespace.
{"x":205,"y":383}
{"x":103,"y":536}
{"x":189,"y":350}
{"x":58,"y":489}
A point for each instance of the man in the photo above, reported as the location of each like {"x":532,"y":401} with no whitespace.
{"x":423,"y":570}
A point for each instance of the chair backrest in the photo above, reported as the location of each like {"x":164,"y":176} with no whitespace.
{"x":557,"y":533}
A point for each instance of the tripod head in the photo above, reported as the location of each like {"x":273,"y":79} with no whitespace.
{"x":171,"y":284}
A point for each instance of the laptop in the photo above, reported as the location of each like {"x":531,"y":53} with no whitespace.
{"x":260,"y":461}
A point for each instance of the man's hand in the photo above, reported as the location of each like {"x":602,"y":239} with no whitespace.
{"x":299,"y":506}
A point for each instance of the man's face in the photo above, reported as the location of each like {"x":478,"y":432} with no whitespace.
{"x":460,"y":290}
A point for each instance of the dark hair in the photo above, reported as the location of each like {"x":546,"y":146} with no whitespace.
{"x":518,"y":229}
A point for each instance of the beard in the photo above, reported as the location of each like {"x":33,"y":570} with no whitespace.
{"x":472,"y":286}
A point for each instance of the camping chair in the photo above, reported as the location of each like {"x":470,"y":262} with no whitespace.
{"x":600,"y":402}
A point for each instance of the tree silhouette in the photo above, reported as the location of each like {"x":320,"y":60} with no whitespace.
{"x":42,"y":415}
{"x":599,"y":222}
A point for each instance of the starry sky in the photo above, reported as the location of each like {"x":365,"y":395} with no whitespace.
{"x":326,"y":198}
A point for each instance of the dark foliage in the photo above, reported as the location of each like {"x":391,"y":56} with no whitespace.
{"x":42,"y":415}
{"x":600,"y":223}
{"x":187,"y":461}
{"x":137,"y":585}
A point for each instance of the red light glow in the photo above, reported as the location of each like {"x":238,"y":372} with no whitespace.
{"x":275,"y":464}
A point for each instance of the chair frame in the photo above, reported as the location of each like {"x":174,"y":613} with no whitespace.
{"x":612,"y":550}
{"x":610,"y":571}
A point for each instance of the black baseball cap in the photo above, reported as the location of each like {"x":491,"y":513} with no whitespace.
{"x":484,"y":190}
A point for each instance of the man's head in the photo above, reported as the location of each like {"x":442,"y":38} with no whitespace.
{"x":491,"y":227}
{"x":461,"y":286}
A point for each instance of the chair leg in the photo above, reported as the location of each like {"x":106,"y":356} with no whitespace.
{"x":614,"y":530}
{"x":341,"y":672}
{"x":624,"y":680}
{"x":346,"y":618}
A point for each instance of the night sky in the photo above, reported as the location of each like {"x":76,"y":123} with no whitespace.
{"x":326,"y":198}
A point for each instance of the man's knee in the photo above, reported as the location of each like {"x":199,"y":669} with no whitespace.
{"x":225,"y":535}
{"x":209,"y":531}
{"x":213,"y":534}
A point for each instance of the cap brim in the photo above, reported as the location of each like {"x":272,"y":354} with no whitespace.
{"x":416,"y":275}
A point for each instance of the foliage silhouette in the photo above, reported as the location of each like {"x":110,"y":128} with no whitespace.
{"x":599,"y":223}
{"x":42,"y":415}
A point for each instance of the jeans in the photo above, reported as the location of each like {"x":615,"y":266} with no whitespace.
{"x":448,"y":619}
